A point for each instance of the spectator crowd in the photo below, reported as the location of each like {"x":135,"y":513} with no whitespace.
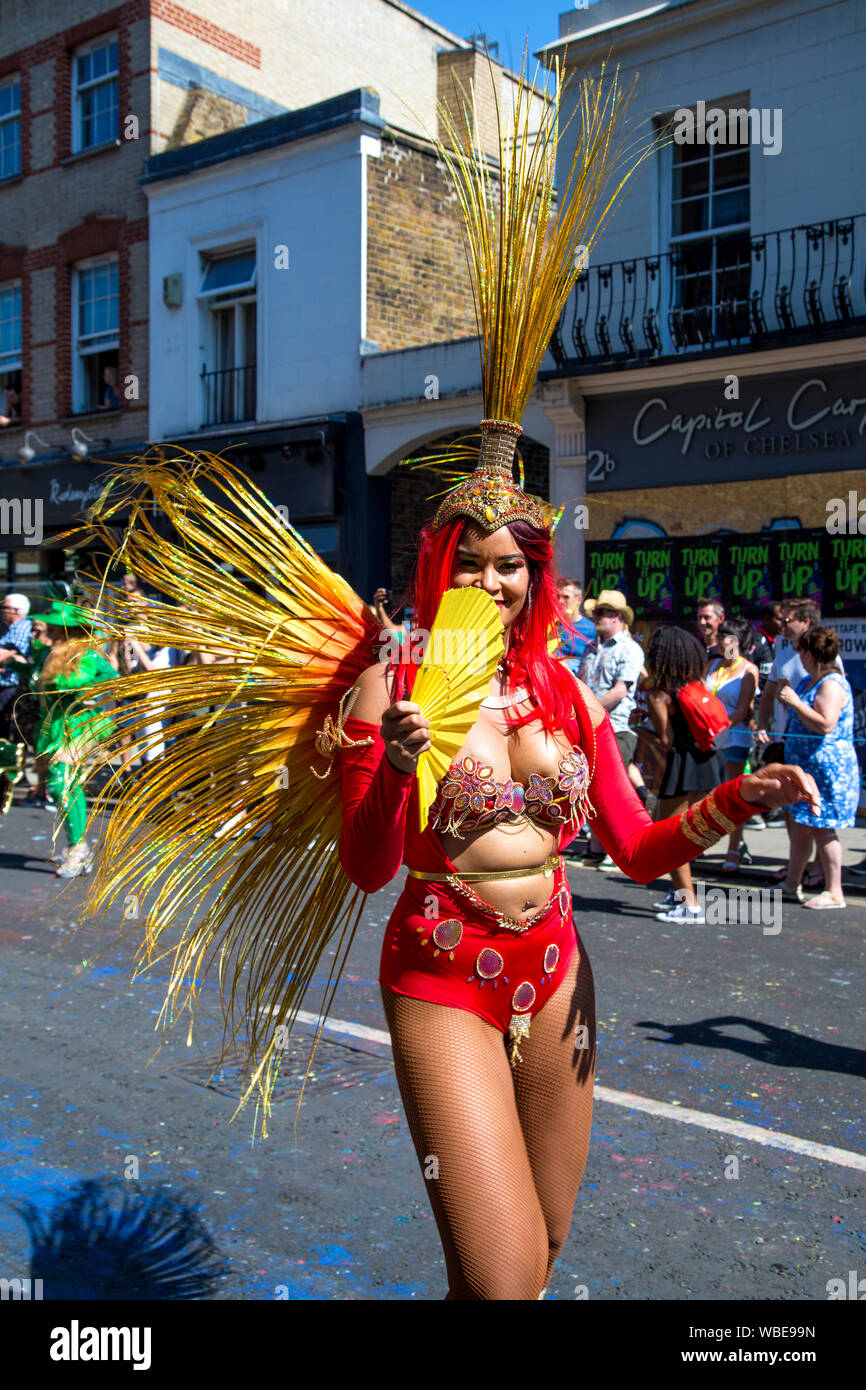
{"x":782,"y":696}
{"x":777,"y":687}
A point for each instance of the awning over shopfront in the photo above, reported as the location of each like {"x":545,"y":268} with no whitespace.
{"x":728,"y":429}
{"x":40,"y":499}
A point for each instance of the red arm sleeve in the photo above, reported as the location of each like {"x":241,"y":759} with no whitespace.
{"x":644,"y":849}
{"x":375,"y":800}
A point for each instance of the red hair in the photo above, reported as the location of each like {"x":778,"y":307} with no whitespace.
{"x":528,"y":660}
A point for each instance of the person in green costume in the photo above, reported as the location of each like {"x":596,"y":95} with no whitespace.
{"x":64,"y":736}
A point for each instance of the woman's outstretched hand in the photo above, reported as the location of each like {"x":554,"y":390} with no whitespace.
{"x":406,"y":735}
{"x":777,"y":784}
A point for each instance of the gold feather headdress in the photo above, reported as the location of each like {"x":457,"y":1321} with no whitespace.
{"x":522,"y":264}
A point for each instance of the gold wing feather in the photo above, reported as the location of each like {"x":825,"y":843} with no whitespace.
{"x":244,"y":743}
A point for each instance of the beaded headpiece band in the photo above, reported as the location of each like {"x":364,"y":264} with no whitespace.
{"x":490,"y":495}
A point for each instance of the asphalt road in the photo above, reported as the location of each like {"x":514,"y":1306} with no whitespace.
{"x":737,"y":1023}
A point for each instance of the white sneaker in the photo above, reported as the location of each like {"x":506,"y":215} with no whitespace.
{"x":756,"y":822}
{"x":79,"y":860}
{"x":607,"y":865}
{"x":668,"y":901}
{"x":683,"y":913}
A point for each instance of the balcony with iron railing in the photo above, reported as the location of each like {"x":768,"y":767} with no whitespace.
{"x":715,"y":294}
{"x":228,"y":395}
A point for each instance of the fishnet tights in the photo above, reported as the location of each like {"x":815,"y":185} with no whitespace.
{"x":510,"y":1146}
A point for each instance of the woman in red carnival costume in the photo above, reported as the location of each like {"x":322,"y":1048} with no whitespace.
{"x":486,"y":983}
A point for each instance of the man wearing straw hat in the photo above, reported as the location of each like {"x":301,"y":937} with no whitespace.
{"x":612,"y":669}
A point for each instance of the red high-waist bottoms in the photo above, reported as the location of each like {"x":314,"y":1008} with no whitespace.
{"x":381,"y":829}
{"x":441,"y":947}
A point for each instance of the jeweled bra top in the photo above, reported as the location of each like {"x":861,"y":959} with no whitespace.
{"x":469,"y":797}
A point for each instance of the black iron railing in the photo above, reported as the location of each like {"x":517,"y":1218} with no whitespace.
{"x":228,"y":395}
{"x":729,"y":290}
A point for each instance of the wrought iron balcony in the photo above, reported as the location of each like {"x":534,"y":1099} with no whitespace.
{"x":229,"y":395}
{"x":733,"y":290}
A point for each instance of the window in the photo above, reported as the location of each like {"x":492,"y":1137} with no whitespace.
{"x":95,"y":316}
{"x":710,"y":238}
{"x":227,"y":295}
{"x":229,"y":273}
{"x":10,"y":327}
{"x":10,"y":128}
{"x":10,"y":352}
{"x":95,"y":96}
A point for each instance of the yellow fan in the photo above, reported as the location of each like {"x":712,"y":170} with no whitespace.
{"x":466,"y":642}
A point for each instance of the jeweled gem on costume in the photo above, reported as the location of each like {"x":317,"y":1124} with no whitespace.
{"x":523,"y":997}
{"x":448,"y":934}
{"x":551,"y":958}
{"x":489,"y":963}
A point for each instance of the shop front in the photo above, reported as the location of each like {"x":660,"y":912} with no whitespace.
{"x":313,"y":474}
{"x":38,"y":503}
{"x":745,"y":489}
{"x":748,"y":454}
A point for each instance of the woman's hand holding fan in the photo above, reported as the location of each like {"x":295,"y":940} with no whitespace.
{"x":406,"y":734}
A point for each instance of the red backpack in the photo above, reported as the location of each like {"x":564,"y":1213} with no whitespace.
{"x":704,"y":713}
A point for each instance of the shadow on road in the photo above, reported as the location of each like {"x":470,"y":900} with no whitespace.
{"x":115,"y":1239}
{"x":778,"y":1046}
{"x":38,"y":861}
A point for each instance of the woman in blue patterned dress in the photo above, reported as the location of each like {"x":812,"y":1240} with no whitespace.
{"x":820,"y":738}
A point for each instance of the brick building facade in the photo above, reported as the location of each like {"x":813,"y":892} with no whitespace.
{"x":418,"y":281}
{"x":418,"y":288}
{"x":70,"y":205}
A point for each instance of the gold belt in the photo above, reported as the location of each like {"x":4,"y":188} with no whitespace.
{"x":551,"y":863}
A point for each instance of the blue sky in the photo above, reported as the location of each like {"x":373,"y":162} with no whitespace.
{"x":503,"y":21}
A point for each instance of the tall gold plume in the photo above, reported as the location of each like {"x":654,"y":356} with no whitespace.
{"x":264,"y":902}
{"x":523,"y":260}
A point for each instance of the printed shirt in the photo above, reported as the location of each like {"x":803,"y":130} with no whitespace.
{"x":618,"y":659}
{"x":17,"y":636}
